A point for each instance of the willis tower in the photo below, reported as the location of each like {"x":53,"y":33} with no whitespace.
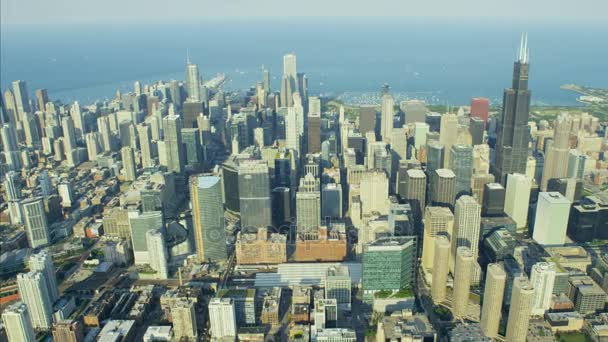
{"x":513,"y":132}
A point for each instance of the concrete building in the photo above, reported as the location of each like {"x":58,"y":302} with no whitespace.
{"x":222,"y":318}
{"x":551,"y":220}
{"x":542,"y":278}
{"x":492,"y":299}
{"x":68,"y":331}
{"x":34,"y":293}
{"x":448,"y":134}
{"x":183,"y":315}
{"x":338,"y":286}
{"x":172,"y":128}
{"x":140,"y":224}
{"x":517,"y":198}
{"x":17,"y":323}
{"x":43,"y":262}
{"x":444,"y":190}
{"x":387,"y":116}
{"x":261,"y":248}
{"x":374,"y":193}
{"x":415,"y":191}
{"x":440,"y":269}
{"x":437,"y":221}
{"x":522,"y":298}
{"x":128,"y":163}
{"x":157,"y":253}
{"x":461,"y":162}
{"x":462,"y":281}
{"x":308,"y":211}
{"x":36,"y":224}
{"x":467,"y":216}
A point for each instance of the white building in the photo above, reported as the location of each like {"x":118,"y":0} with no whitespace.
{"x":551,"y":221}
{"x":222,"y":318}
{"x":374,"y":193}
{"x":157,"y":253}
{"x":517,"y":198}
{"x":388,"y":114}
{"x":542,"y":278}
{"x":36,"y":224}
{"x":34,"y":293}
{"x":43,"y":262}
{"x":183,"y":315}
{"x":17,"y":323}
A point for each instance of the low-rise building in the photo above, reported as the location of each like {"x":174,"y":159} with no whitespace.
{"x":261,"y":248}
{"x":321,"y":246}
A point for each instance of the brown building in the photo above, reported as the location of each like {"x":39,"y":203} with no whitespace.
{"x":300,"y":313}
{"x":321,"y":246}
{"x":261,"y":248}
{"x":68,"y":331}
{"x":314,"y":133}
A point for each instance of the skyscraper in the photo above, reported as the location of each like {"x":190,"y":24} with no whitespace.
{"x":172,"y":127}
{"x":254,"y":192}
{"x":308,"y":211}
{"x":183,"y":314}
{"x":289,"y":81}
{"x":461,"y":162}
{"x":492,"y":299}
{"x":222,"y":318}
{"x":367,"y":119}
{"x":440,"y":269}
{"x":462,"y":282}
{"x":17,"y":323}
{"x":36,"y":225}
{"x":517,"y":198}
{"x":480,"y":107}
{"x":193,"y":85}
{"x":314,"y":132}
{"x":551,"y":220}
{"x":448,"y":135}
{"x":128,"y":163}
{"x":157,"y":253}
{"x":556,"y":159}
{"x":331,"y":201}
{"x":493,"y":200}
{"x":42,"y":97}
{"x":386,"y":119}
{"x":444,"y":188}
{"x":437,"y":221}
{"x":522,"y":299}
{"x":42,"y":262}
{"x":542,"y":278}
{"x":140,"y":224}
{"x":145,"y":144}
{"x":22,"y":99}
{"x":415,"y":191}
{"x":34,"y":293}
{"x":374,"y":192}
{"x":208,"y":217}
{"x":513,"y":132}
{"x":467,"y":217}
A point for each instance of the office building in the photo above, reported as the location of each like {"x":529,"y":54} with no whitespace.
{"x":414,"y":110}
{"x":193,"y":151}
{"x":517,"y":198}
{"x":331,"y":201}
{"x":415,"y":191}
{"x":557,"y":156}
{"x":493,"y":200}
{"x":140,"y":224}
{"x":588,"y":297}
{"x":281,"y":206}
{"x":479,"y":108}
{"x":172,"y":128}
{"x":542,"y":278}
{"x":157,"y":253}
{"x":444,"y":188}
{"x":21,"y":97}
{"x":461,"y":162}
{"x":440,"y":269}
{"x":476,"y":129}
{"x":17,"y":323}
{"x":222,"y":318}
{"x":520,"y":309}
{"x":68,"y":331}
{"x":367,"y":119}
{"x":208,"y":217}
{"x":193,"y":79}
{"x":448,"y":135}
{"x":36,"y":224}
{"x":464,"y":261}
{"x":261,"y":247}
{"x":387,"y":116}
{"x":254,"y":193}
{"x":389,"y":264}
{"x":467,"y":217}
{"x":551,"y":219}
{"x":308,"y":211}
{"x":244,"y":304}
{"x":589,"y":220}
{"x":128,"y":164}
{"x":34,"y":293}
{"x":493,"y":292}
{"x":513,"y":133}
{"x":374,"y":192}
{"x":314,"y":132}
{"x":338,"y":286}
{"x":576,"y":164}
{"x":437,"y":221}
{"x":183,"y":316}
{"x":43,"y":262}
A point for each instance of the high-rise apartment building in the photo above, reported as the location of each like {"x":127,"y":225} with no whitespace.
{"x":467,"y":220}
{"x":522,"y":299}
{"x":183,"y":315}
{"x":172,"y":128}
{"x":43,"y":262}
{"x":17,"y":323}
{"x":437,"y":221}
{"x":222,"y":318}
{"x":542,"y":278}
{"x":462,"y":281}
{"x":157,"y":253}
{"x":440,"y":268}
{"x":34,"y":292}
{"x":36,"y":224}
{"x":128,"y":163}
{"x":415,"y":191}
{"x":493,"y":294}
{"x":444,"y":188}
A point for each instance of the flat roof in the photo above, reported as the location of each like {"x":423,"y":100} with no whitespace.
{"x":554,"y":197}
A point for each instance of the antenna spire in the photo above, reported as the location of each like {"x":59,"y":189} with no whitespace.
{"x":524,"y":51}
{"x":187,"y":55}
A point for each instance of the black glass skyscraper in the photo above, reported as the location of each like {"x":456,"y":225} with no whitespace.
{"x":513,"y":132}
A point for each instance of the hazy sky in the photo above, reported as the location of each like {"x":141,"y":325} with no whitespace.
{"x":103,"y":11}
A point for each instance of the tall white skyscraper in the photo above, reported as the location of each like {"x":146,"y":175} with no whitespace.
{"x":517,"y":198}
{"x":36,"y":224}
{"x":493,"y":294}
{"x":448,"y":135}
{"x":12,"y":186}
{"x":193,"y":85}
{"x":542,"y":278}
{"x":374,"y":193}
{"x":551,"y":220}
{"x":157,"y":253}
{"x":462,"y":281}
{"x":128,"y":163}
{"x":172,"y":128}
{"x":93,"y":147}
{"x":467,"y":218}
{"x":289,"y":65}
{"x":386,"y":120}
{"x":292,"y":130}
{"x":17,"y":323}
{"x":519,"y":311}
{"x":43,"y":262}
{"x":145,"y":144}
{"x":556,"y":160}
{"x":22,"y":99}
{"x":222,"y":318}
{"x":34,"y":293}
{"x":78,"y":119}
